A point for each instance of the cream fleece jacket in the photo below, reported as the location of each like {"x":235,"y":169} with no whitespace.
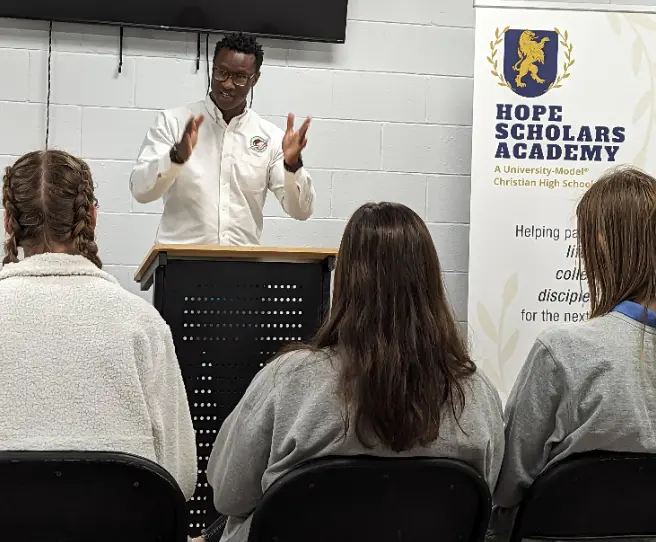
{"x":86,"y":365}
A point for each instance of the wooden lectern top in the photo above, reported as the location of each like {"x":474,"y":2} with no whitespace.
{"x":234,"y":252}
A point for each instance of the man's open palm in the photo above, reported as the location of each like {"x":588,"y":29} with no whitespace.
{"x":189,"y":138}
{"x":294,"y":141}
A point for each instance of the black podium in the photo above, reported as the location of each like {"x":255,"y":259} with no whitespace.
{"x":231,"y":309}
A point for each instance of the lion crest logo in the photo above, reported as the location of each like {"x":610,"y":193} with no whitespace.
{"x":531,"y":60}
{"x":530,"y":53}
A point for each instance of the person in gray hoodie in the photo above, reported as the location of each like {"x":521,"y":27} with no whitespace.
{"x":590,"y":386}
{"x":388,"y":374}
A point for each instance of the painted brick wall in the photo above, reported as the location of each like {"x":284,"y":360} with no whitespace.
{"x":392,"y":109}
{"x":392,"y":113}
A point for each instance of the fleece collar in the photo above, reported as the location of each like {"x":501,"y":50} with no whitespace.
{"x":54,"y":265}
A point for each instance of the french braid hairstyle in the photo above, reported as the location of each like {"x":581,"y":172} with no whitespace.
{"x":49,"y":202}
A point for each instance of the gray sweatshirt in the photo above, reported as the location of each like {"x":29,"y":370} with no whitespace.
{"x":583,"y":388}
{"x":291,"y":413}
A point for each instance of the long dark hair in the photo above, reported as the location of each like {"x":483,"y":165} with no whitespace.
{"x":49,"y":200}
{"x":402,"y":357}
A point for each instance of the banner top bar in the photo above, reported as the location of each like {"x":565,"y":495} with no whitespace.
{"x":561,"y":6}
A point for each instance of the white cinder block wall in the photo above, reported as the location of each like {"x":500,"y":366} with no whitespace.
{"x":392,"y":110}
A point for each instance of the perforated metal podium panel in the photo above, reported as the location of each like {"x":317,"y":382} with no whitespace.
{"x":228,"y":318}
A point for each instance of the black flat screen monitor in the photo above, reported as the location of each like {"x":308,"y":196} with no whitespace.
{"x":308,"y":20}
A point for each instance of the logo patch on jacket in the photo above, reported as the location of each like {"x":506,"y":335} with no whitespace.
{"x":259,"y":144}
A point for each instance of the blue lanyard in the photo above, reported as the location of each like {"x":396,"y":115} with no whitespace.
{"x":636,"y":312}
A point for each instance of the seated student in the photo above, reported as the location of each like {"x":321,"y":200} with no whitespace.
{"x":85,"y":364}
{"x":590,"y":386}
{"x":388,"y":374}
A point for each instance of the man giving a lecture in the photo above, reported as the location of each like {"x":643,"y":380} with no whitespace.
{"x":214,"y":160}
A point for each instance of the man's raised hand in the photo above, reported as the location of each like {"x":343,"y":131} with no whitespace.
{"x":189,"y":138}
{"x":294,"y":141}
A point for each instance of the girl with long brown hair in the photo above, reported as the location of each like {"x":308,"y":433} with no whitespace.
{"x":590,"y":386}
{"x":85,"y":364}
{"x":388,"y":374}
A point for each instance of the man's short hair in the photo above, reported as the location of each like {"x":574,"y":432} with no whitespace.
{"x":242,"y":44}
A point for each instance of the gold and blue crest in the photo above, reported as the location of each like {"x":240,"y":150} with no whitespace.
{"x":531,"y":60}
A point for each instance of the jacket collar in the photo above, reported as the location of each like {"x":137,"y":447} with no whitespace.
{"x":53,"y":265}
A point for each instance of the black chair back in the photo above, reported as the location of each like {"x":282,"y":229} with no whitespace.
{"x":358,"y":499}
{"x":591,"y":495}
{"x":88,"y":496}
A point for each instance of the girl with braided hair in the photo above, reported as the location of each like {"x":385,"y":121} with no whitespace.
{"x":50,"y":206}
{"x":85,"y":364}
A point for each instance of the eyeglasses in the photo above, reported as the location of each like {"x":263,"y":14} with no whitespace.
{"x":238,"y":79}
